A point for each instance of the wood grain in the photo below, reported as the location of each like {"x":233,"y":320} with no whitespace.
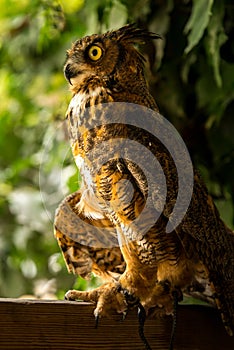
{"x":40,"y":324}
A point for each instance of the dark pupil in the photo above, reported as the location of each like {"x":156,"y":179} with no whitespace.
{"x":95,"y":52}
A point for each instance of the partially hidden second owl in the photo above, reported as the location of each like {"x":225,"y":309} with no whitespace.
{"x":99,"y":228}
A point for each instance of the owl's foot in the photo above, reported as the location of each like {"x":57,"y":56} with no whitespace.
{"x":162,"y":299}
{"x":108,"y":298}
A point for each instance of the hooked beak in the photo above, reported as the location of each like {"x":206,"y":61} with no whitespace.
{"x":68,"y":73}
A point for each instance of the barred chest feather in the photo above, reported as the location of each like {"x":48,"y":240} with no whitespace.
{"x":80,"y":121}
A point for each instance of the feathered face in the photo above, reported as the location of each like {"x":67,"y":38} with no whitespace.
{"x":106,"y":55}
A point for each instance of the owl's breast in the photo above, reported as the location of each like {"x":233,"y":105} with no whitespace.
{"x":85,"y":111}
{"x":88,"y":204}
{"x":82,"y":136}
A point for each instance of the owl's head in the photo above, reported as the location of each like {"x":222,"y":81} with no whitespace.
{"x":106,"y":58}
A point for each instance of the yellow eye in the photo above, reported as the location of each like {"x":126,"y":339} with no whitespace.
{"x":95,"y":52}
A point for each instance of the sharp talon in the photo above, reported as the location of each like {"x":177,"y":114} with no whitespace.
{"x":141,"y":314}
{"x":119,"y":288}
{"x":96,"y":321}
{"x":66,"y":297}
{"x":69,"y":296}
{"x":130,"y":298}
{"x":141,"y":319}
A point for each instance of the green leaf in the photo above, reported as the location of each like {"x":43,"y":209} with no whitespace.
{"x":197,"y":22}
{"x":209,"y":96}
{"x":50,"y":20}
{"x":215,"y":39}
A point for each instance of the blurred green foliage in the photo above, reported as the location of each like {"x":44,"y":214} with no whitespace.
{"x":191,"y":75}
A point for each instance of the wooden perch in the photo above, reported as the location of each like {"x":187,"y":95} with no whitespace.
{"x":40,"y":324}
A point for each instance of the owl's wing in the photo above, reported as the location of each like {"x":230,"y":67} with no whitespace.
{"x":82,"y":239}
{"x":203,"y":230}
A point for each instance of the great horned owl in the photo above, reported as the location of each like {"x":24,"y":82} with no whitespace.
{"x":197,"y":255}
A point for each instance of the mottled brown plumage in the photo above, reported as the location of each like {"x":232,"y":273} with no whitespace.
{"x":195,"y":258}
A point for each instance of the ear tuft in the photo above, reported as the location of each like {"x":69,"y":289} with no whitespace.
{"x":131,"y":34}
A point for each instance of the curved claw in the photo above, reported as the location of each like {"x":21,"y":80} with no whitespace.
{"x":70,"y":296}
{"x":96,"y":321}
{"x":130,"y":298}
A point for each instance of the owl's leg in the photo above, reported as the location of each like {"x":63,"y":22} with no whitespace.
{"x":108,"y":298}
{"x":163,"y":299}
